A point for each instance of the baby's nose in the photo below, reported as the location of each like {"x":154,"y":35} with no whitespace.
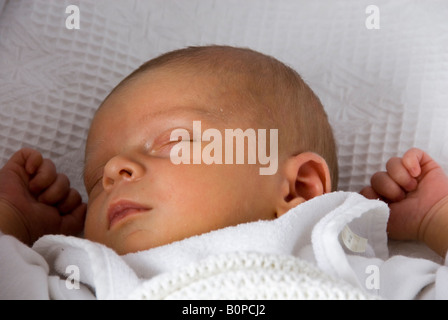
{"x":121,"y":168}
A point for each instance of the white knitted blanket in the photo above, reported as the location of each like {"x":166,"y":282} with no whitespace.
{"x":252,"y":276}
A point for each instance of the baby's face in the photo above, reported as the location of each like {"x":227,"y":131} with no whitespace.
{"x":140,"y":199}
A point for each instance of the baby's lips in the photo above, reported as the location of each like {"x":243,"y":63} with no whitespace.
{"x":123,"y":208}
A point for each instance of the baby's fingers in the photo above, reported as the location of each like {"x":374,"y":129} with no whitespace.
{"x":44,"y":177}
{"x":57,"y":191}
{"x":400,"y":174}
{"x":386,"y":187}
{"x":417,"y":162}
{"x":24,"y":162}
{"x":369,"y":193}
{"x":33,"y":158}
{"x":70,"y":202}
{"x":73,"y":223}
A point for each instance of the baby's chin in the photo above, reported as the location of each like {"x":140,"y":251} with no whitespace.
{"x":137,"y":241}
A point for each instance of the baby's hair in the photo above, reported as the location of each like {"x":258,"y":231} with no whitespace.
{"x":272,"y":94}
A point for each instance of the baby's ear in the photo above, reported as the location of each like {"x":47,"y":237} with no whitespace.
{"x":305,"y":176}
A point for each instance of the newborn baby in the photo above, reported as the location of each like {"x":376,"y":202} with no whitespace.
{"x":139,"y":199}
{"x":149,"y":195}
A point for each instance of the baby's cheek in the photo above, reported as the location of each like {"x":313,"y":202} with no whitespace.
{"x":94,"y":226}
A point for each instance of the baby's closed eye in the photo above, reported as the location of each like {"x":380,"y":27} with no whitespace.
{"x":164,"y":143}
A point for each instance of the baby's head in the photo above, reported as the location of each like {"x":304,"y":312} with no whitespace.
{"x":139,"y":198}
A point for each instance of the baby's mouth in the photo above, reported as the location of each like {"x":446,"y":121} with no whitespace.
{"x":122,"y":209}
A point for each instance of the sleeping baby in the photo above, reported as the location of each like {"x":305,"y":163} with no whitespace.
{"x":149,"y":216}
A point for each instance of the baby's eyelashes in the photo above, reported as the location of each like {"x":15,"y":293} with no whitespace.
{"x":163,"y":144}
{"x":162,"y":148}
{"x":165,"y":149}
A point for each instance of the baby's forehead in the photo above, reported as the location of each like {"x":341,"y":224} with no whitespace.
{"x":219,"y":93}
{"x":228,"y":89}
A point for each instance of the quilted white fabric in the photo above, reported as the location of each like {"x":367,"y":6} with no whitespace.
{"x":385,"y":90}
{"x":248,"y":276}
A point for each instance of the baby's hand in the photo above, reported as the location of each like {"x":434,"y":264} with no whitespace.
{"x":35,"y":200}
{"x":412,"y":186}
